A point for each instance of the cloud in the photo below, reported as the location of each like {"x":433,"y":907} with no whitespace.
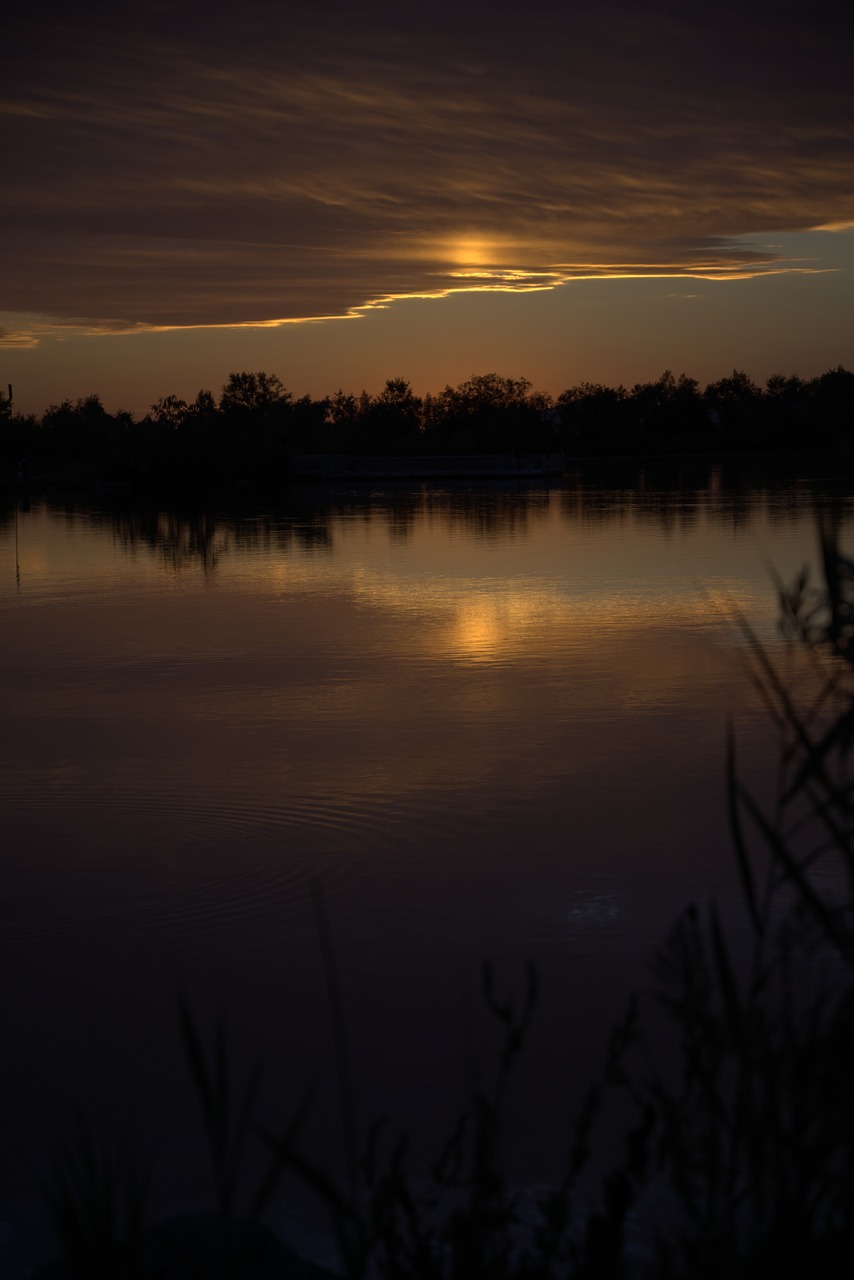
{"x":290,"y":167}
{"x":17,"y":339}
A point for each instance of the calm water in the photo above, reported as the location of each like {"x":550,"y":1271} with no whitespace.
{"x":484,"y":723}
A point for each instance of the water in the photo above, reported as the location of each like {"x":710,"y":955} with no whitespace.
{"x":480,"y":723}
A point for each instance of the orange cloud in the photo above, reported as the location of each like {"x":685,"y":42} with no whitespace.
{"x":313,"y":168}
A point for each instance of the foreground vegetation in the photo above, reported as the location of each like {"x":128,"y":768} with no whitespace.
{"x":738,"y":1153}
{"x":255,"y":426}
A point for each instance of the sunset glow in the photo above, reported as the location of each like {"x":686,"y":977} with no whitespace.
{"x":516,"y":193}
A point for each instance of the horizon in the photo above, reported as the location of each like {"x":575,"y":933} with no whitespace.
{"x":530,"y":388}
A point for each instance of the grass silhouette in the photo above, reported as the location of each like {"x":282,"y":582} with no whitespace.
{"x":738,"y":1154}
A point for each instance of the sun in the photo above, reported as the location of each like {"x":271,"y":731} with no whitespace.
{"x":471,"y":251}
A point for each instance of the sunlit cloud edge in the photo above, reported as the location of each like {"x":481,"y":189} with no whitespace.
{"x":28,"y":334}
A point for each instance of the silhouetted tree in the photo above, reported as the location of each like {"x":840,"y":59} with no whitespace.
{"x":489,"y":411}
{"x":253,"y":427}
{"x":306,"y":424}
{"x":780,"y":387}
{"x":734,"y":404}
{"x":668,"y":409}
{"x":170,"y":411}
{"x":398,"y":395}
{"x":252,"y":431}
{"x":785,"y":407}
{"x":592,"y":416}
{"x":78,"y":429}
{"x":832,"y":398}
{"x":204,"y":405}
{"x":391,"y":421}
{"x":252,"y":391}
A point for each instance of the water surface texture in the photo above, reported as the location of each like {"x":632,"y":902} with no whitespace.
{"x":482,"y":723}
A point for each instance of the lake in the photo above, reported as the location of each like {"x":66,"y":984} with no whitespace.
{"x":469,"y":722}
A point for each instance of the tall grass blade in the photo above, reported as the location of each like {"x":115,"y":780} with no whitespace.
{"x":339,"y":1033}
{"x":726,"y":979}
{"x":745,"y":867}
{"x":795,"y":873}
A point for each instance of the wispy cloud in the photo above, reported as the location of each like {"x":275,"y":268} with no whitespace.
{"x":312,"y":167}
{"x":21,"y":338}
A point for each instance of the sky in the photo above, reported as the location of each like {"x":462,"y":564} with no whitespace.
{"x":568,"y":192}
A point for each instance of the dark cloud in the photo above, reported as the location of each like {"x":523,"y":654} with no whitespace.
{"x":219,"y":165}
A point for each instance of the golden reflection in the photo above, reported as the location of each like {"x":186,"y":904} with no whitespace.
{"x":464,"y":623}
{"x":479,"y":629}
{"x":467,"y":605}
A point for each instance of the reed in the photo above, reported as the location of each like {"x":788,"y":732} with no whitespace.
{"x":738,"y":1157}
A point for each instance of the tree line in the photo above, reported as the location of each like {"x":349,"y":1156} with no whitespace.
{"x":255,"y":426}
